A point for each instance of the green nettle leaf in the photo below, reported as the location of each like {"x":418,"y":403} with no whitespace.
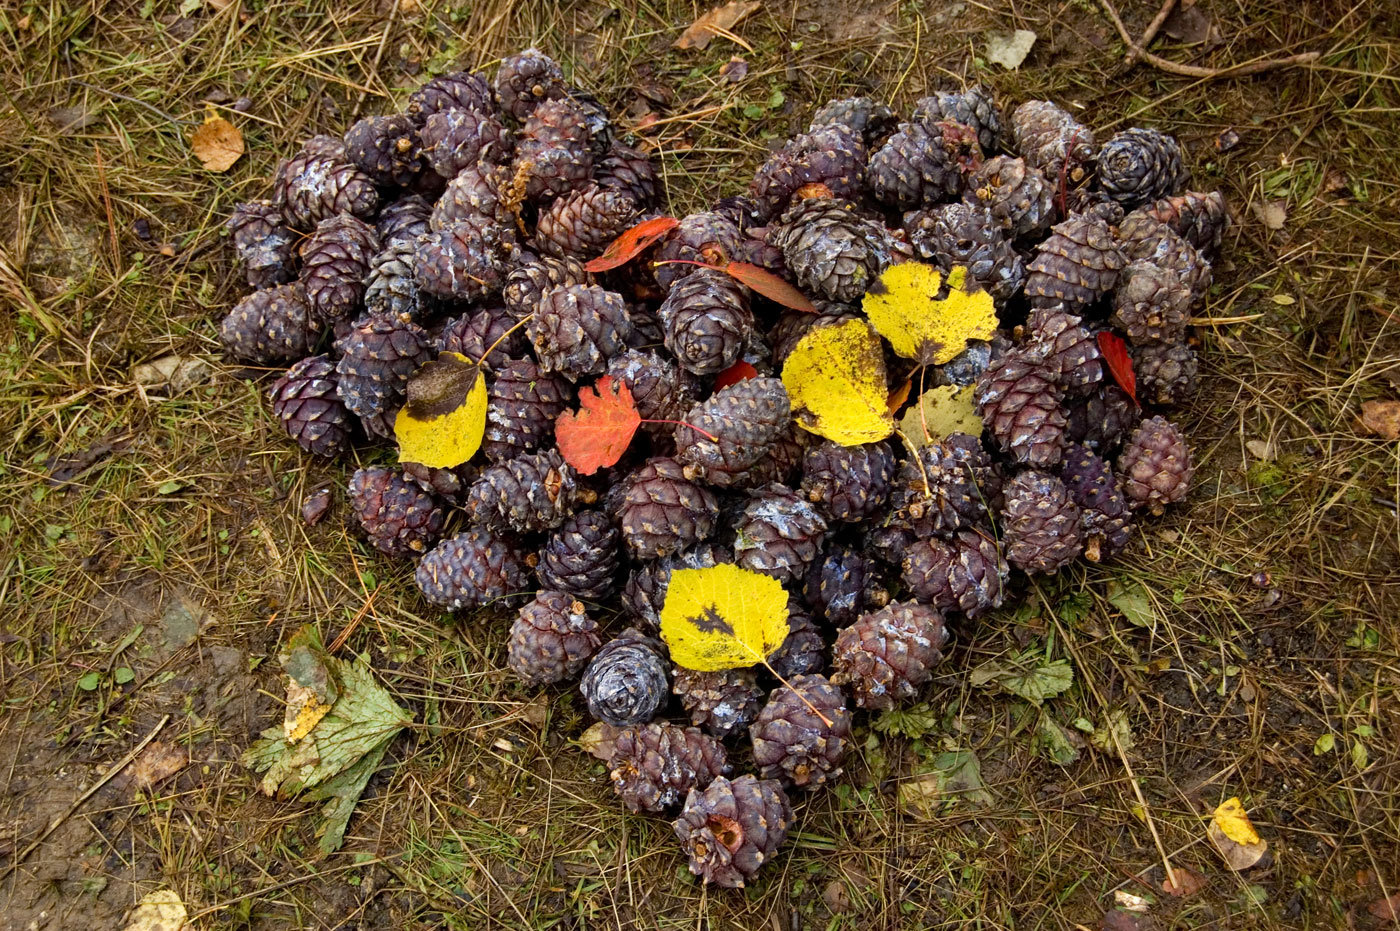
{"x":90,"y":681}
{"x":913,"y":722}
{"x":1116,"y":725}
{"x":1325,"y":744}
{"x":1057,"y":744}
{"x":1133,"y":601}
{"x":952,"y":776}
{"x":1034,"y":684}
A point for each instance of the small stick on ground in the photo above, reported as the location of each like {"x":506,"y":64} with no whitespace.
{"x":1150,"y":32}
{"x":1205,"y":74}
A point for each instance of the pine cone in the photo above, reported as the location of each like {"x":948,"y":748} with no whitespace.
{"x":553,"y":151}
{"x":1140,"y":165}
{"x":270,"y":326}
{"x":645,"y":592}
{"x":972,"y":107}
{"x":456,"y":90}
{"x":335,"y":260}
{"x":1166,"y":373}
{"x":663,"y":511}
{"x":706,"y":318}
{"x":455,"y":140}
{"x":532,"y":275}
{"x":1200,"y":219}
{"x":869,"y":119}
{"x":263,"y":243}
{"x":625,"y":682}
{"x":463,"y":262}
{"x":386,"y":148}
{"x":923,"y":164}
{"x":979,"y":356}
{"x":404,"y":220}
{"x":1105,"y":518}
{"x":469,"y":570}
{"x":577,"y":329}
{"x":1152,"y":304}
{"x":733,"y":828}
{"x":1071,"y":351}
{"x":831,"y":159}
{"x":658,"y":387}
{"x":802,"y":734}
{"x":389,"y":287}
{"x":966,"y":573}
{"x":1151,"y":241}
{"x":1053,"y":141}
{"x":706,"y":237}
{"x":525,"y":79}
{"x":803,"y":650}
{"x":629,"y":171}
{"x":849,"y":483}
{"x":522,"y":405}
{"x":744,"y":419}
{"x":305,"y":403}
{"x":400,"y":518}
{"x":779,"y":534}
{"x":1040,"y":523}
{"x":448,"y":484}
{"x":476,"y":194}
{"x":655,"y":765}
{"x":885,"y":657}
{"x":720,"y":702}
{"x":583,"y":222}
{"x":310,"y":188}
{"x":473,"y":334}
{"x":843,"y":583}
{"x":533,"y":491}
{"x":551,"y":639}
{"x":1076,"y":265}
{"x":583,"y":557}
{"x":968,"y":235}
{"x":830,"y":249}
{"x":948,"y":485}
{"x":377,"y":358}
{"x":1155,"y":465}
{"x":1018,"y":195}
{"x":1102,"y":420}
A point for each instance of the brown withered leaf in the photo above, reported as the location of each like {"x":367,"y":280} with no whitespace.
{"x":158,"y":762}
{"x":217,"y":143}
{"x":1188,"y":24}
{"x":720,"y":19}
{"x":1188,"y":882}
{"x":1381,"y":418}
{"x":1385,"y":909}
{"x":600,"y":740}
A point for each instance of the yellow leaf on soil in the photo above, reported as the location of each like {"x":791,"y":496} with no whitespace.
{"x":1234,"y":822}
{"x":723,"y":617}
{"x":161,"y":910}
{"x":444,"y":420}
{"x":905,"y":308}
{"x":835,"y":379}
{"x":304,"y":711}
{"x":941,"y":411}
{"x":217,"y":143}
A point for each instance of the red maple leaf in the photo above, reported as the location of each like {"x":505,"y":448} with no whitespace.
{"x":1115,"y":353}
{"x":770,"y":286}
{"x":596,"y":436}
{"x":632,"y":243}
{"x":739,"y":371}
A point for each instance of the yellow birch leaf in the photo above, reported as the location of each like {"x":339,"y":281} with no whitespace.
{"x":161,"y":910}
{"x":217,"y":143}
{"x":304,"y":711}
{"x":724,"y":617}
{"x":905,"y":308}
{"x":941,"y":411}
{"x":1232,"y":820}
{"x":835,"y":378}
{"x":444,"y":420}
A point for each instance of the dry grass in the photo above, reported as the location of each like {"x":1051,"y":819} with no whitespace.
{"x":1276,"y":588}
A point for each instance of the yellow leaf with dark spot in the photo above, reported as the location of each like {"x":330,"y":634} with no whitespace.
{"x":724,"y":617}
{"x":835,"y":378}
{"x":1234,"y":822}
{"x":941,"y":411}
{"x":906,"y":308}
{"x":444,"y":420}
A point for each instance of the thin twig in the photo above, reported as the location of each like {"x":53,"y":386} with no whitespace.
{"x":1150,"y":32}
{"x":140,"y":103}
{"x":374,"y":65}
{"x":107,"y":205}
{"x":1207,"y":74}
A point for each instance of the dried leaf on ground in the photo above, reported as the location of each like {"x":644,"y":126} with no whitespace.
{"x":925,"y":317}
{"x":158,"y":762}
{"x":1233,"y":820}
{"x":600,"y":740}
{"x":443,"y":423}
{"x":952,"y":776}
{"x":1188,"y":882}
{"x":632,"y":243}
{"x":1234,"y":836}
{"x":836,"y":381}
{"x":1113,"y":733}
{"x":177,"y":371}
{"x":1273,"y":214}
{"x":723,"y":617}
{"x":217,"y":143}
{"x":722,"y":18}
{"x":161,"y":910}
{"x":1009,"y":49}
{"x":1385,"y":909}
{"x":941,"y":411}
{"x":770,"y":286}
{"x":1381,"y":418}
{"x":1188,"y":24}
{"x":597,"y":434}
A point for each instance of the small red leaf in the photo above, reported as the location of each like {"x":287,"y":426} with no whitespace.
{"x":597,"y":435}
{"x":632,"y":243}
{"x":899,"y":395}
{"x":770,"y":286}
{"x":739,"y":371}
{"x":1115,"y":353}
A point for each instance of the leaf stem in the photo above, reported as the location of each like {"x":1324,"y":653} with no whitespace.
{"x":800,"y":697}
{"x":500,"y":339}
{"x":681,"y":423}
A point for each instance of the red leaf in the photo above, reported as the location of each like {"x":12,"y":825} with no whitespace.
{"x":632,"y":243}
{"x":899,"y":395}
{"x":1115,"y":353}
{"x":597,"y":435}
{"x":739,"y":371}
{"x":770,"y":286}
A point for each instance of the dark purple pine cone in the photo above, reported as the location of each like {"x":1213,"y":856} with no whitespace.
{"x":377,"y":357}
{"x":968,"y":235}
{"x":831,"y":250}
{"x":733,"y":428}
{"x":626,"y":682}
{"x":654,"y":765}
{"x":534,"y":491}
{"x":525,"y":79}
{"x":311,"y":187}
{"x":306,"y":404}
{"x":1071,"y":351}
{"x":469,"y":570}
{"x":658,"y":387}
{"x":721,"y":703}
{"x":778,"y":534}
{"x":1166,"y":373}
{"x":521,"y":407}
{"x":532,"y":275}
{"x":448,"y":484}
{"x":1019,"y":197}
{"x":1105,"y":517}
{"x":1152,"y":304}
{"x":335,"y":261}
{"x":975,"y":359}
{"x":830,"y":160}
{"x":923,"y":164}
{"x":1155,"y":465}
{"x":1041,"y":524}
{"x":1078,"y":264}
{"x":263,"y":244}
{"x":404,"y":220}
{"x":582,"y":223}
{"x":663,"y":512}
{"x":577,"y":329}
{"x":645,"y":591}
{"x":583,"y":557}
{"x":454,"y":140}
{"x":1200,"y":219}
{"x":849,"y":483}
{"x":553,"y":152}
{"x":869,"y":119}
{"x":400,"y":518}
{"x":386,"y":148}
{"x":457,"y":90}
{"x":551,"y":640}
{"x":1053,"y":141}
{"x":271,"y":326}
{"x":802,"y":734}
{"x":463,"y":262}
{"x":1143,"y":238}
{"x":947,"y":486}
{"x":741,"y":210}
{"x":389,"y":286}
{"x":707,"y":237}
{"x":971,"y":107}
{"x":1140,"y":165}
{"x":1102,"y":420}
{"x":476,"y":194}
{"x":707,"y":321}
{"x":966,"y":573}
{"x":803,"y":650}
{"x":473,"y":334}
{"x":887,"y":656}
{"x":631,"y":172}
{"x":732,"y":828}
{"x":1019,"y":401}
{"x":755,"y":249}
{"x":844,"y":583}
